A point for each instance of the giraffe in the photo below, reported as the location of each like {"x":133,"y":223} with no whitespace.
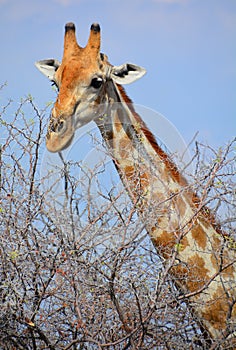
{"x":184,"y":233}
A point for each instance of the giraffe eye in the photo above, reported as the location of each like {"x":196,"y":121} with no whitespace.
{"x":97,"y":82}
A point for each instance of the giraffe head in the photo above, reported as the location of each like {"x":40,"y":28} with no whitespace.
{"x":83,"y":78}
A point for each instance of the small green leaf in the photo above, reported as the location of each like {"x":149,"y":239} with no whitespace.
{"x":14,"y":254}
{"x":179,"y":247}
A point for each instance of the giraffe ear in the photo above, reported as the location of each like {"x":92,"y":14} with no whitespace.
{"x":48,"y":67}
{"x":127,"y":73}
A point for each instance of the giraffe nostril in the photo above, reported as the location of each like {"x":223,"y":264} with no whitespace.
{"x":60,"y":125}
{"x":56,"y":126}
{"x":51,"y":126}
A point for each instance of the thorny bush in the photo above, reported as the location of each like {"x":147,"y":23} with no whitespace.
{"x":78,"y":270}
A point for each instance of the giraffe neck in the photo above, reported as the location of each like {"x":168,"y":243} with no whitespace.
{"x":134,"y":148}
{"x":180,"y":230}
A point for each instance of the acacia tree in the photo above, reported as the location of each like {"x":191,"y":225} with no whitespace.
{"x":78,"y":270}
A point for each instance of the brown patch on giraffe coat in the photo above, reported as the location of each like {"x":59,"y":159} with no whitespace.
{"x":180,"y":204}
{"x":205,"y":215}
{"x":117,"y":123}
{"x":199,"y":273}
{"x":216,"y":258}
{"x":137,"y":185}
{"x":216,"y":243}
{"x":229,"y":271}
{"x":221,"y":257}
{"x":129,"y":174}
{"x":199,"y":235}
{"x":138,"y":179}
{"x":184,"y":243}
{"x":164,"y":242}
{"x":218,"y":308}
{"x":167,"y":242}
{"x":129,"y":171}
{"x":144,"y":181}
{"x":181,"y":273}
{"x":124,"y":148}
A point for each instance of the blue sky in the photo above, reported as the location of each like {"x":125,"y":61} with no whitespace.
{"x":187,"y":46}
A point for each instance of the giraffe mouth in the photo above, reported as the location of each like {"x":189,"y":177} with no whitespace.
{"x":56,"y":143}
